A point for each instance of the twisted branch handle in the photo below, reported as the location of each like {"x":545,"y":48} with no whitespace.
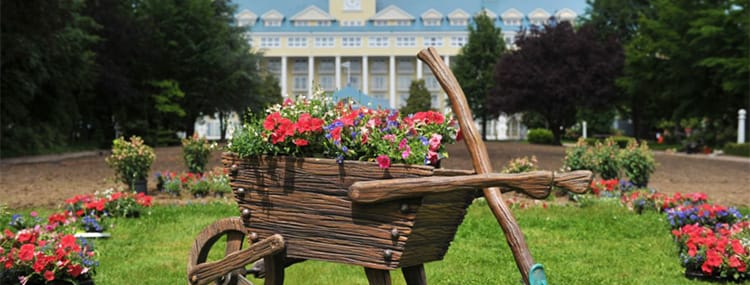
{"x":480,"y":158}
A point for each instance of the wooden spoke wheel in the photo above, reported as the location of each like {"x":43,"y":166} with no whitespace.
{"x":234,"y":230}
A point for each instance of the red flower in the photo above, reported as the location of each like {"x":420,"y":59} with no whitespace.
{"x":49,"y":275}
{"x":69,"y":242}
{"x":75,"y":270}
{"x":301,"y":142}
{"x":383,"y":161}
{"x":27,"y":252}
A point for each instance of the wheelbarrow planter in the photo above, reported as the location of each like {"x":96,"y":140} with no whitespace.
{"x":357,"y":213}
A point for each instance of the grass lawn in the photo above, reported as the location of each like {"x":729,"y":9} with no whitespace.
{"x":599,"y":244}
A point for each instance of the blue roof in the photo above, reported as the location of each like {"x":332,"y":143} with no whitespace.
{"x":416,"y":8}
{"x":359,"y":97}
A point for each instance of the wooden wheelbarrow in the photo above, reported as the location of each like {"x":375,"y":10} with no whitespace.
{"x":293,"y":209}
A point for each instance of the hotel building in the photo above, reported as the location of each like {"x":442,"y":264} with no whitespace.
{"x":371,"y":45}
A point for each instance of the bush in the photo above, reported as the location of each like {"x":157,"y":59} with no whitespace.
{"x":620,"y":141}
{"x":637,"y":162}
{"x":540,"y":136}
{"x":196,"y":150}
{"x":521,"y":165}
{"x":740,"y":149}
{"x":131,"y":160}
{"x":606,"y":161}
{"x":579,"y":157}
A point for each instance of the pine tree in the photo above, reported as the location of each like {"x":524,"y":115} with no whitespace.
{"x":419,"y":98}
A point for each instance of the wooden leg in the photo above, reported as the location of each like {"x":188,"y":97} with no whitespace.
{"x":378,"y":276}
{"x":274,"y":265}
{"x":414,"y":275}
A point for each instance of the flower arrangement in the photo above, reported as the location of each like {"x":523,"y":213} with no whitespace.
{"x":195,"y":151}
{"x":216,"y":181}
{"x":723,"y":251}
{"x":131,"y":160}
{"x":316,"y":127}
{"x":703,"y":215}
{"x":641,"y":201}
{"x":43,"y":253}
{"x":521,"y":165}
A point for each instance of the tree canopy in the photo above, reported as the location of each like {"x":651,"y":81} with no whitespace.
{"x":555,"y":71}
{"x":475,"y":62}
{"x":88,"y":70}
{"x":419,"y":98}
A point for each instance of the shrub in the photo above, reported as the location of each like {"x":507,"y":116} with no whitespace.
{"x":196,"y":150}
{"x":637,"y":162}
{"x":579,"y":157}
{"x":620,"y":141}
{"x":606,"y":161}
{"x":520,"y":165}
{"x":540,"y":136}
{"x":131,"y":160}
{"x":740,"y":149}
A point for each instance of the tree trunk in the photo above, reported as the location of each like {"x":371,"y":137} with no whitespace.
{"x":635,"y":115}
{"x":222,"y":126}
{"x":484,"y":126}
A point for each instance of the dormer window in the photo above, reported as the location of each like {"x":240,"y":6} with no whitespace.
{"x":432,"y":18}
{"x":272,"y":23}
{"x":432,"y":22}
{"x":459,"y":22}
{"x":246,"y":18}
{"x":512,"y":22}
{"x":538,"y":17}
{"x":458,"y":18}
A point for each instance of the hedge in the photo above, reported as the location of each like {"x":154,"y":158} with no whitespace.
{"x":739,"y":149}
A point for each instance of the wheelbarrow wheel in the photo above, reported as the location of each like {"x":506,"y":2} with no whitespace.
{"x":234,"y":230}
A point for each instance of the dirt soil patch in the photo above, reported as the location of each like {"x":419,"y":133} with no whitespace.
{"x":31,"y":183}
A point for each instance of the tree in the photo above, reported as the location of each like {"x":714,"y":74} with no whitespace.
{"x":474,"y":65}
{"x":419,"y":98}
{"x":46,"y":69}
{"x":554,"y":72}
{"x":692,"y":58}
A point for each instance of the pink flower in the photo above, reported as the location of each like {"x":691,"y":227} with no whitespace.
{"x":435,"y":142}
{"x":27,"y":252}
{"x":49,"y":275}
{"x":406,"y":153}
{"x":389,"y":137}
{"x":383,"y":161}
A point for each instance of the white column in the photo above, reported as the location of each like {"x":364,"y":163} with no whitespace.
{"x":419,"y":69}
{"x":365,"y":75}
{"x":741,"y":126}
{"x":392,"y":77}
{"x":447,"y":60}
{"x":283,"y":81}
{"x":337,"y":65}
{"x":310,"y":74}
{"x":584,"y":129}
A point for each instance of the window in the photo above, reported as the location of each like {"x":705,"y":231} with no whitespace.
{"x":434,"y":101}
{"x":324,"y":42}
{"x":403,"y":82}
{"x":403,"y":23}
{"x":354,"y":81}
{"x":274,"y":66}
{"x":406,"y":42}
{"x":300,"y":66}
{"x":326,"y":66}
{"x":377,"y":42}
{"x":459,"y":41}
{"x":270,"y":42}
{"x":379,"y":23}
{"x":379,"y":82}
{"x":381,"y":96}
{"x":459,"y":22}
{"x":431,"y":82}
{"x":326,"y":82}
{"x":296,"y":42}
{"x":324,"y":23}
{"x":301,"y":23}
{"x":351,"y":42}
{"x":300,"y":83}
{"x":352,"y":23}
{"x":512,"y":22}
{"x":378,"y":66}
{"x":402,"y":97}
{"x":433,"y":41}
{"x":432,"y":22}
{"x":355,"y":65}
{"x":405,"y":66}
{"x":272,"y":23}
{"x":245,"y":22}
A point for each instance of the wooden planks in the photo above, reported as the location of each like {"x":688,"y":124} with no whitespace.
{"x":305,"y":200}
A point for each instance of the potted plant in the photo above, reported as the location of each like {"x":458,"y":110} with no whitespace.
{"x":195,"y":151}
{"x":131,"y":161}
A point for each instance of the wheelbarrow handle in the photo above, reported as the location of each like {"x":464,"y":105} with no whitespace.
{"x":480,"y":159}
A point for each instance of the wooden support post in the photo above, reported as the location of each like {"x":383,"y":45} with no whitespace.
{"x":414,"y":275}
{"x":378,"y":276}
{"x":275,"y":268}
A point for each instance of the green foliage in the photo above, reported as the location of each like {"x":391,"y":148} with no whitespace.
{"x":131,"y":160}
{"x":195,"y":151}
{"x":521,"y":165}
{"x":606,"y":161}
{"x":475,"y":62}
{"x":579,"y":157}
{"x":540,"y":136}
{"x":419,"y":98}
{"x":166,"y":100}
{"x":620,"y":141}
{"x":742,"y":149}
{"x":637,"y":162}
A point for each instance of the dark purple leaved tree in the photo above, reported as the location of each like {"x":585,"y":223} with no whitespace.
{"x":555,"y":71}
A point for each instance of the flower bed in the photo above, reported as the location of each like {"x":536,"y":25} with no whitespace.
{"x":316,"y":127}
{"x":215,"y":181}
{"x":713,"y":241}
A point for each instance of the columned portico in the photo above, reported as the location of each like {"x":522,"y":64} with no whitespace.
{"x":283,"y":81}
{"x":338,"y":66}
{"x":310,"y":75}
{"x":365,"y":74}
{"x":392,"y":80}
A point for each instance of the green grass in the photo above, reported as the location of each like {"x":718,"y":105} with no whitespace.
{"x":600,"y":244}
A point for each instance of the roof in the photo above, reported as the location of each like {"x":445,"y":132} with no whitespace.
{"x":408,"y":10}
{"x":359,"y":98}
